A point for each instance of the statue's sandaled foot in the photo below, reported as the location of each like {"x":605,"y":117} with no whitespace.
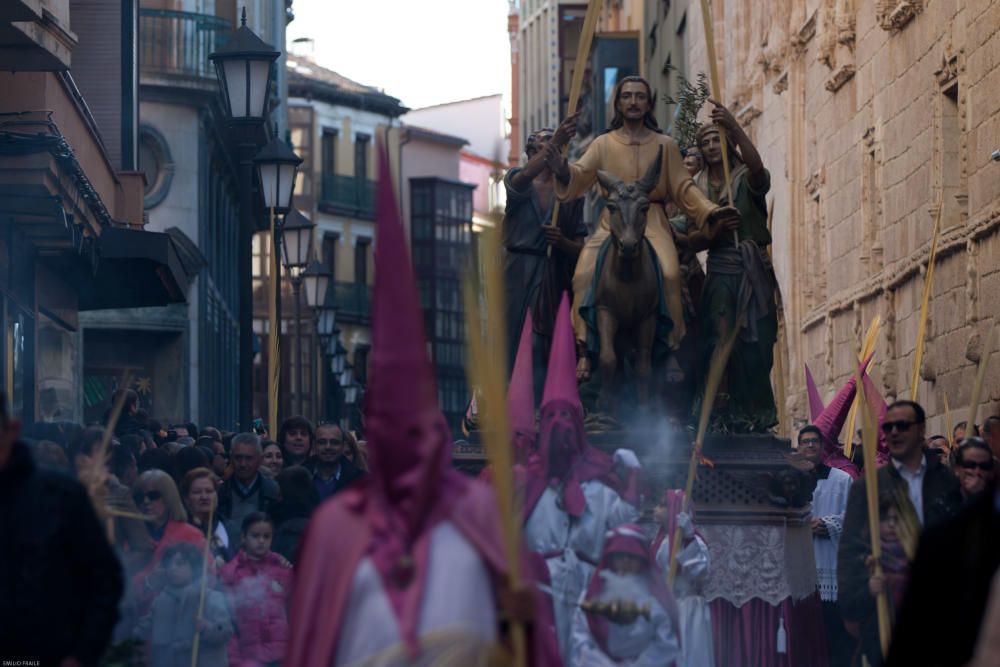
{"x":583,"y":369}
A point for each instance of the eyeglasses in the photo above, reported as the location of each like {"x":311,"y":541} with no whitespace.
{"x":151,"y":496}
{"x":902,"y":426}
{"x":985,"y":466}
{"x":806,"y":442}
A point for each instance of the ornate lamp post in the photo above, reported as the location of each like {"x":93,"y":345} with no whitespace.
{"x":276,"y":166}
{"x":297,"y":234}
{"x":243,"y":67}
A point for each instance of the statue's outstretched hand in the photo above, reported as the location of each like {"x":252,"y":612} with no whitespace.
{"x":627,"y":458}
{"x":722,"y":117}
{"x":565,"y":131}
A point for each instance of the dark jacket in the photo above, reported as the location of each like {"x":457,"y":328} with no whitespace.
{"x":942,"y":500}
{"x":949,"y":587}
{"x":60,"y":582}
{"x":348,"y":474}
{"x":267,"y":497}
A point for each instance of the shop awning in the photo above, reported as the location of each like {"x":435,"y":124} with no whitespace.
{"x":134,"y":269}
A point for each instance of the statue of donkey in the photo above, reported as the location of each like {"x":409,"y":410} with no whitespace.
{"x":627,"y":294}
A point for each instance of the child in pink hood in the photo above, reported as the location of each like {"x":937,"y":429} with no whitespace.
{"x":257,"y":582}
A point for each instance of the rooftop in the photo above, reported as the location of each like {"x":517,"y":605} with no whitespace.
{"x":308,"y":79}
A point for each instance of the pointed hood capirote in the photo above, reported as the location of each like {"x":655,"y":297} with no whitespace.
{"x":564,"y":458}
{"x":815,"y":400}
{"x":521,"y":396}
{"x":389,"y":516}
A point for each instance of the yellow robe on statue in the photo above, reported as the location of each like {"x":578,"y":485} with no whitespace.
{"x":615,"y":153}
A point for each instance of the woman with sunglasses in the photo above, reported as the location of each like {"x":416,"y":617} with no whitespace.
{"x":975,"y":467}
{"x":156,"y":496}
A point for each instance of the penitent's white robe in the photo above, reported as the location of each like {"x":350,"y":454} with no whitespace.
{"x":829,"y":503}
{"x":458,"y":610}
{"x":572,"y":547}
{"x":652,"y":642}
{"x":695,"y":619}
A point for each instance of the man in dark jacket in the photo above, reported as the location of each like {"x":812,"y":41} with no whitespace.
{"x":247,"y":491}
{"x":60,"y":582}
{"x":332,"y":471}
{"x":915,"y":492}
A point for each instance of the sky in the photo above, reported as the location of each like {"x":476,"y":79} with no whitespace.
{"x":424,"y":53}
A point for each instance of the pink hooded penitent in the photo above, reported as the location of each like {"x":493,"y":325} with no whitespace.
{"x":521,"y":396}
{"x":389,"y":515}
{"x":815,"y":400}
{"x":560,"y":378}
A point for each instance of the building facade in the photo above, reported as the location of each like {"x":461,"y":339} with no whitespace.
{"x":187,"y":355}
{"x":871,"y":116}
{"x":73,"y":238}
{"x":335,"y":124}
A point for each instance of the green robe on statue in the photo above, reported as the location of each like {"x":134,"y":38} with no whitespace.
{"x":741,"y":277}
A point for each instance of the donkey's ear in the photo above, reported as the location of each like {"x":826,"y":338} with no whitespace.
{"x":608,"y":180}
{"x":648,"y":182}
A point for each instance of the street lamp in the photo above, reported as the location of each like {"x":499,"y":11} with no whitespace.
{"x":316,"y":280}
{"x":339,"y":360}
{"x":326,"y":323}
{"x":297,"y":234}
{"x":276,"y":164}
{"x":276,"y":167}
{"x":297,"y":239}
{"x":243,"y":67}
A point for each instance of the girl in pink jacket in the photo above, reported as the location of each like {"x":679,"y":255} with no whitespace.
{"x":257,"y":582}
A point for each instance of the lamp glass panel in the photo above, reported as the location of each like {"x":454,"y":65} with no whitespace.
{"x":260,"y":72}
{"x":315,"y":284}
{"x":236,"y":86}
{"x":269,"y":184}
{"x":286,"y":182}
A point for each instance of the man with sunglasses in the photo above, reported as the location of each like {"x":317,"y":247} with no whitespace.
{"x":918,"y":491}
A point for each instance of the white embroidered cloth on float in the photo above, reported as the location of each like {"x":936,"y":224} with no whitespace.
{"x":770,"y":562}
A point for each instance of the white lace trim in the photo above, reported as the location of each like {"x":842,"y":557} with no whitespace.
{"x":759,"y":561}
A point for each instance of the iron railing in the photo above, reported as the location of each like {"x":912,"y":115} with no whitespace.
{"x":353,"y":302}
{"x":352,"y":195}
{"x":177,"y":44}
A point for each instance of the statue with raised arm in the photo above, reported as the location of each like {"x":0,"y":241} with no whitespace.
{"x":740,"y":287}
{"x":626,"y":152}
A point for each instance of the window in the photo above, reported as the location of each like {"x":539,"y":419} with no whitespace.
{"x":954,"y":191}
{"x":361,"y":260}
{"x":361,"y":364}
{"x":329,"y":150}
{"x":361,"y":143}
{"x":330,"y":243}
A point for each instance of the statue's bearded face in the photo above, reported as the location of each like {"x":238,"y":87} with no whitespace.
{"x":536,"y":141}
{"x":633,"y":101}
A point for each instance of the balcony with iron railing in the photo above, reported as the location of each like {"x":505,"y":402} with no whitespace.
{"x":174,"y":47}
{"x":348,"y":195}
{"x":352,"y":300}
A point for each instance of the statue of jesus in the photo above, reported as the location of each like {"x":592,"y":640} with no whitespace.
{"x":627,"y":150}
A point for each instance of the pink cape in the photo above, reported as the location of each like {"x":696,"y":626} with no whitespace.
{"x":339,"y":527}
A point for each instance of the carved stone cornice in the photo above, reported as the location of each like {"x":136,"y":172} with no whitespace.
{"x":895,"y":275}
{"x":781,"y":84}
{"x":952,"y":64}
{"x":804,"y":34}
{"x":747,"y":115}
{"x":813,"y":183}
{"x":843,"y":74}
{"x":893,"y":15}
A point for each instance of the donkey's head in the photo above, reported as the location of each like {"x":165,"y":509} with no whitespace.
{"x":627,"y":205}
